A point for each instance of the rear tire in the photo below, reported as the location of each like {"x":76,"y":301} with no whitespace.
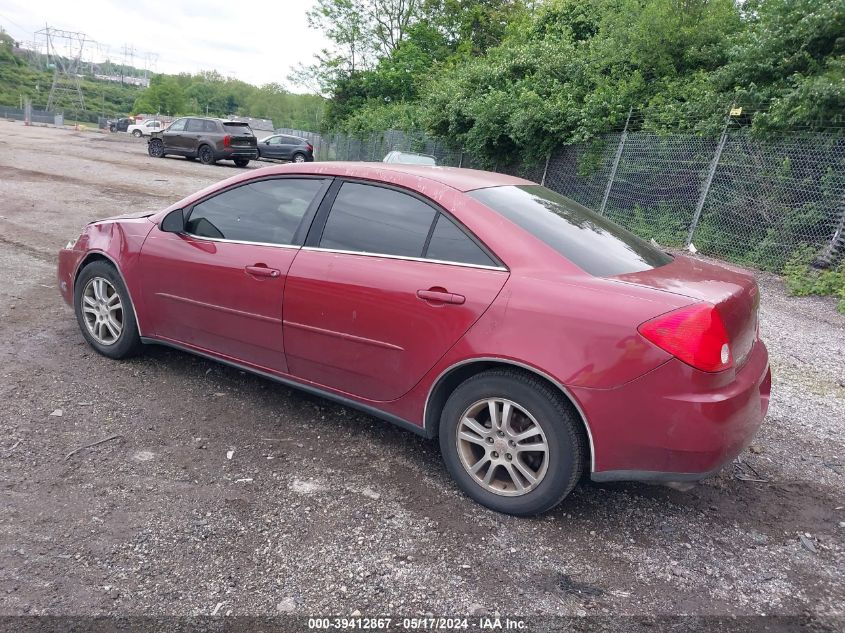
{"x":206,"y":155}
{"x":104,"y":311}
{"x":241,"y":162}
{"x":535,"y":446}
{"x":137,"y":133}
{"x":299,"y":157}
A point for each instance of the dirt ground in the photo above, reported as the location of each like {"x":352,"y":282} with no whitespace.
{"x":322,"y":509}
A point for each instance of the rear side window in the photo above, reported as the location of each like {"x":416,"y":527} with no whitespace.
{"x":267,"y":211}
{"x":450,"y":244}
{"x":240,"y":129}
{"x":371,"y":219}
{"x":595,"y":244}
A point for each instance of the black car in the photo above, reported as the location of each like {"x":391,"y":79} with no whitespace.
{"x":284,"y":147}
{"x":209,"y":140}
{"x":120,"y":125}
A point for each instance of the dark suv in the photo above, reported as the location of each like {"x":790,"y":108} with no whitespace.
{"x":285,"y":147}
{"x":209,"y":140}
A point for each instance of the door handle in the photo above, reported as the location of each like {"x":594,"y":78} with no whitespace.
{"x":437,"y":295}
{"x":262,"y":271}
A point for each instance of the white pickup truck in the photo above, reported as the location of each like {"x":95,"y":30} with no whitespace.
{"x":145,"y":128}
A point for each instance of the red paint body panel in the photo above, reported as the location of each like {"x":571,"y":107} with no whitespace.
{"x":353,"y":325}
{"x":199,"y":292}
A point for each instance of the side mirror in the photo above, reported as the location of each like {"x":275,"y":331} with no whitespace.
{"x":173,"y":222}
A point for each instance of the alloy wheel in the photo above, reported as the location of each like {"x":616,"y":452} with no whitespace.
{"x":102,"y":310}
{"x":299,"y":158}
{"x":156,"y":149}
{"x":503,"y":447}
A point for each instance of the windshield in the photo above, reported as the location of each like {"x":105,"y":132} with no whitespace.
{"x":413,"y":159}
{"x":592,"y":242}
{"x":241,"y":129}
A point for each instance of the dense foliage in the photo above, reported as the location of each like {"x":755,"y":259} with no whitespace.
{"x":507,"y":78}
{"x":168,"y":94}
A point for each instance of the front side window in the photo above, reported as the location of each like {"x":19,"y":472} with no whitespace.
{"x":274,"y":140}
{"x":267,"y":211}
{"x":178,"y":125}
{"x":371,"y":219}
{"x":195,"y":125}
{"x":595,"y":244}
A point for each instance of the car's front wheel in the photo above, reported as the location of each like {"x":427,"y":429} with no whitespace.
{"x":155,"y":148}
{"x":104,"y":311}
{"x":241,"y":162}
{"x":137,"y":133}
{"x":205,"y":155}
{"x":512,"y":442}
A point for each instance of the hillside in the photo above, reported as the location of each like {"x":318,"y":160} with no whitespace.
{"x":205,"y":93}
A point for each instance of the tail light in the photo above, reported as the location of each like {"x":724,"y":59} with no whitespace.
{"x":227,"y":141}
{"x":695,"y":335}
{"x":310,"y":147}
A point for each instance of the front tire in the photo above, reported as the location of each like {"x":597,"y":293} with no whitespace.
{"x":512,"y":442}
{"x":241,"y":162}
{"x":205,"y":155}
{"x":155,"y":148}
{"x":104,"y":311}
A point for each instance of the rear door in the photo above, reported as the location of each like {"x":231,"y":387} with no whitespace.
{"x":287,"y":146}
{"x":385,"y":285}
{"x":219,"y":285}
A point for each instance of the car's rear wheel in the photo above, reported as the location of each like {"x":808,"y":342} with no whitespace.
{"x":155,"y":148}
{"x":137,"y":133}
{"x":205,"y":155}
{"x":104,"y":311}
{"x":512,"y":442}
{"x":241,"y":162}
{"x":299,"y":157}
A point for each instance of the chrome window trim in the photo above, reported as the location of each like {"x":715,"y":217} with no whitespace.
{"x":530,"y":368}
{"x":223,"y":239}
{"x":404,"y":258}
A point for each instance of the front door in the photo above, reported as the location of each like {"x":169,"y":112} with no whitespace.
{"x":219,"y":285}
{"x":374,"y":304}
{"x":173,"y":136}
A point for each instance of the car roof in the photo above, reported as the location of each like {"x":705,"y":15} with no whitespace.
{"x":454,"y":177}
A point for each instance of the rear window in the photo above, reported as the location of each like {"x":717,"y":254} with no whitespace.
{"x":595,"y":244}
{"x":241,"y":129}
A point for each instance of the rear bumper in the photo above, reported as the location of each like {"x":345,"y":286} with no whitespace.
{"x":250,"y":153}
{"x":676,"y":423}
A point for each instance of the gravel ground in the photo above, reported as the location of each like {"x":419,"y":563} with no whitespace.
{"x":322,"y":509}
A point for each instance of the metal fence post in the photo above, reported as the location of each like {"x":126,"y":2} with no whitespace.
{"x":461,"y":159}
{"x":705,"y":189}
{"x":616,"y":160}
{"x":545,"y":169}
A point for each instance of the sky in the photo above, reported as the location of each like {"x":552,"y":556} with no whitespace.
{"x":258,"y":42}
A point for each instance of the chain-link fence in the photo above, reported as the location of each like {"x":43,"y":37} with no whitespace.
{"x":738,"y":197}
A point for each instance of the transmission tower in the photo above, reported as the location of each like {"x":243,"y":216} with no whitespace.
{"x":64,"y":55}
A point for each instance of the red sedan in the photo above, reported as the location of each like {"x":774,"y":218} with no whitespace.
{"x":537,"y":340}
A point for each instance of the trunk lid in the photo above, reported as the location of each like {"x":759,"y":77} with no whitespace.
{"x":241,"y":134}
{"x":734,"y":293}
